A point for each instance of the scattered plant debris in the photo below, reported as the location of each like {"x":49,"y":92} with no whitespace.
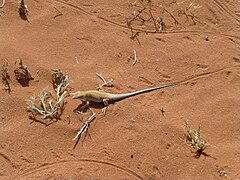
{"x":193,"y":137}
{"x":186,"y":10}
{"x":223,"y":171}
{"x":150,"y":17}
{"x":6,"y":77}
{"x":142,"y":13}
{"x":22,"y":74}
{"x":23,"y":10}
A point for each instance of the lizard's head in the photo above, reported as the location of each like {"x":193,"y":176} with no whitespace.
{"x":77,"y":95}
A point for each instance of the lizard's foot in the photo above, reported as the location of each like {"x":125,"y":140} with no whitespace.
{"x":105,"y":102}
{"x":104,"y":110}
{"x":79,"y":111}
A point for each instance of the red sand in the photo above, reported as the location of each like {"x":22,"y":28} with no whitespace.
{"x":134,"y":140}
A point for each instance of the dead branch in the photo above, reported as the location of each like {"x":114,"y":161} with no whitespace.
{"x":105,"y":83}
{"x":6,"y":77}
{"x":85,"y":126}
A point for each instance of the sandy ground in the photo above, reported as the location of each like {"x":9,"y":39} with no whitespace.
{"x":200,"y":43}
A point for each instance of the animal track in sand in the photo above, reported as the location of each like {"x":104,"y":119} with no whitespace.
{"x":219,"y":5}
{"x":88,"y":168}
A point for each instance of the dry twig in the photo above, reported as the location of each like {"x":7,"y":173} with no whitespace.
{"x":135,"y":36}
{"x":130,"y":3}
{"x":105,"y":83}
{"x":76,"y":59}
{"x":6,"y":77}
{"x":172,"y":16}
{"x":133,"y":57}
{"x":85,"y":126}
{"x":155,"y":25}
{"x":136,"y":15}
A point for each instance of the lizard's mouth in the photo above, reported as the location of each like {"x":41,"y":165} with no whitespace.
{"x":73,"y":95}
{"x":76,"y":95}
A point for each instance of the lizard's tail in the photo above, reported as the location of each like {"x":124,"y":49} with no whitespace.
{"x":123,"y":96}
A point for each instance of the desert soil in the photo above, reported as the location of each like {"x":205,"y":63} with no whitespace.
{"x":198,"y":42}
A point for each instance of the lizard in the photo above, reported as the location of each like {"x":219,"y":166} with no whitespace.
{"x":104,"y":97}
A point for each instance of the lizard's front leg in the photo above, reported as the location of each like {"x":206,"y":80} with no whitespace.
{"x":82,"y":107}
{"x":105,"y":102}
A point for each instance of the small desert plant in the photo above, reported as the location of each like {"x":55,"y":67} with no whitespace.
{"x":48,"y":105}
{"x":193,"y":137}
{"x":6,"y":77}
{"x":22,"y":74}
{"x":22,"y":10}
